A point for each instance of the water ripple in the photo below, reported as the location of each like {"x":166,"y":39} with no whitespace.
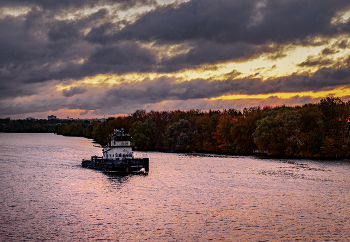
{"x":47,"y":195}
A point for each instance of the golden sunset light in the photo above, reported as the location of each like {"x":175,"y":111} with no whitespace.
{"x":338,"y":92}
{"x":108,"y":59}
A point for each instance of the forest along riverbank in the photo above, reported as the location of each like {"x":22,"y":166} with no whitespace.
{"x":318,"y":131}
{"x":47,"y":195}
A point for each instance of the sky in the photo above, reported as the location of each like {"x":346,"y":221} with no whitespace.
{"x":104,"y":58}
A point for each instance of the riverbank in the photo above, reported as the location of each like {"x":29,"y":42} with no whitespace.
{"x":313,"y":131}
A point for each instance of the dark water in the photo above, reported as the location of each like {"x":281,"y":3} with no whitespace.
{"x":46,"y":195}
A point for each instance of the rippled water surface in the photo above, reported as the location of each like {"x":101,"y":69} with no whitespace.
{"x":47,"y":195}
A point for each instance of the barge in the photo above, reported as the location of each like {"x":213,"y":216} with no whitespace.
{"x":118,"y":156}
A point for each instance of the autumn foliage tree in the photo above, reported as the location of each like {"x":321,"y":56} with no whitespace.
{"x":235,"y":132}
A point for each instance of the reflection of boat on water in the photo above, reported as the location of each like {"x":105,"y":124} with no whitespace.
{"x":122,"y":177}
{"x":118,"y":156}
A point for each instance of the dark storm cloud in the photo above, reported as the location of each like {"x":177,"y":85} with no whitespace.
{"x":343,"y":44}
{"x":97,"y":34}
{"x":72,"y":91}
{"x":215,"y":30}
{"x":122,"y":58}
{"x":164,"y":88}
{"x":223,"y":30}
{"x":313,"y":61}
{"x":63,"y":30}
{"x":34,"y":51}
{"x":65,"y":4}
{"x":324,"y":79}
{"x":208,"y":52}
{"x":329,"y":51}
{"x":226,"y":21}
{"x":26,"y":56}
{"x":231,"y":75}
{"x":130,"y":96}
{"x":40,"y":105}
{"x":41,"y":46}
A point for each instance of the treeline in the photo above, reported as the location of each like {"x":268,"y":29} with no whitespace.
{"x":27,"y":126}
{"x":310,"y":131}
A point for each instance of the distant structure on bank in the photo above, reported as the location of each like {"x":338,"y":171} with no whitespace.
{"x":52,"y":117}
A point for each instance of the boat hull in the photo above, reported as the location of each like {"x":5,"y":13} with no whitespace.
{"x":126,"y":165}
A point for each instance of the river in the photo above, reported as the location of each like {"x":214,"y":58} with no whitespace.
{"x":47,"y":196}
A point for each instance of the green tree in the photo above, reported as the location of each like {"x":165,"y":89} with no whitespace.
{"x":311,"y":130}
{"x":143,"y":134}
{"x":243,"y":129}
{"x":179,"y":136}
{"x":278,"y":133}
{"x":335,"y":116}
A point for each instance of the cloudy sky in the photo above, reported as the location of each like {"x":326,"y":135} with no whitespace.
{"x":101,"y":58}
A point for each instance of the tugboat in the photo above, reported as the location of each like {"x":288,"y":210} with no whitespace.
{"x":118,"y":156}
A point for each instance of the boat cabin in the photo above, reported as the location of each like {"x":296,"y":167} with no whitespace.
{"x":119,"y":146}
